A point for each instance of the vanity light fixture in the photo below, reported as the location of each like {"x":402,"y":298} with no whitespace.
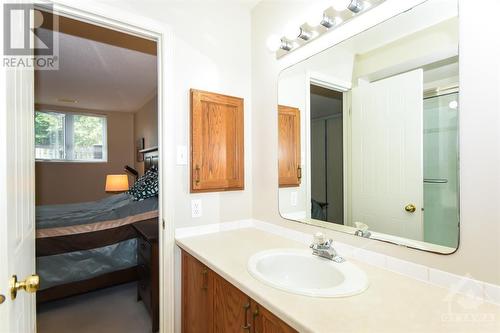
{"x":356,"y":6}
{"x":300,"y":32}
{"x":286,"y":45}
{"x":325,"y":20}
{"x":275,"y":43}
{"x":305,"y":35}
{"x":329,"y":22}
{"x":341,"y":11}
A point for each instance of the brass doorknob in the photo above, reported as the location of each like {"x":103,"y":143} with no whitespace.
{"x":31,"y":284}
{"x":410,"y":208}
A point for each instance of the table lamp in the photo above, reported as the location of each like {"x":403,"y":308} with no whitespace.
{"x":117,"y":183}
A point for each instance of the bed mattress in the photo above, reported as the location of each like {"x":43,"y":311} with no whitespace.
{"x":81,"y":241}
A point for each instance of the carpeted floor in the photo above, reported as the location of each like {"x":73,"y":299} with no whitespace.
{"x":111,"y":310}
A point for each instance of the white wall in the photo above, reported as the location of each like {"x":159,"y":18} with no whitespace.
{"x":479,"y":252}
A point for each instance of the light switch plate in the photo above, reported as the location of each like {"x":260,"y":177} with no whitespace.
{"x":182,"y":153}
{"x":293,"y":198}
{"x":196,"y":209}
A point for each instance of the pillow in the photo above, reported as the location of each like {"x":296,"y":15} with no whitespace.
{"x":146,"y":186}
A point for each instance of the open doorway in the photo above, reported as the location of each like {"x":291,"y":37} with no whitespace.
{"x":327,"y":154}
{"x":97,"y":188}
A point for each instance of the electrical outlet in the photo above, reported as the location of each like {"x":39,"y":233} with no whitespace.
{"x":196,"y":210}
{"x":293,"y":198}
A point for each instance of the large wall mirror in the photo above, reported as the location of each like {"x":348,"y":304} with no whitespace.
{"x":368,"y":132}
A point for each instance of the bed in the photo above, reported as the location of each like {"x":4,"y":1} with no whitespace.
{"x":87,"y":246}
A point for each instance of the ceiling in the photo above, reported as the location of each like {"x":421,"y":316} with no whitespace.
{"x":97,"y":74}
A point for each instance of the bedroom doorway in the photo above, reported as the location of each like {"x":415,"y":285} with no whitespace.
{"x":97,"y":155}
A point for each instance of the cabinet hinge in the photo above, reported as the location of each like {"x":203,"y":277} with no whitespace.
{"x":163,"y":223}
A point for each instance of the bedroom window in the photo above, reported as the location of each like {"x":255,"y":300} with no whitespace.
{"x":62,"y":136}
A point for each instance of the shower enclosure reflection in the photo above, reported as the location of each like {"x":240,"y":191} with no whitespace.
{"x":441,"y":169}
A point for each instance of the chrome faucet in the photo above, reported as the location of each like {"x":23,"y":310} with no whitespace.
{"x":324,"y":249}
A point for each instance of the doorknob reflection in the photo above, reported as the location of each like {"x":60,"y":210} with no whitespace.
{"x":410,"y":208}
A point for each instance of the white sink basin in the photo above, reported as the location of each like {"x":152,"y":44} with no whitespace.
{"x":299,"y":272}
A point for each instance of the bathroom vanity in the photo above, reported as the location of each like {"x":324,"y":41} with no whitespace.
{"x":219,"y":291}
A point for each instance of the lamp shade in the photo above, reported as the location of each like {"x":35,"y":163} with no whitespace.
{"x":116,"y":183}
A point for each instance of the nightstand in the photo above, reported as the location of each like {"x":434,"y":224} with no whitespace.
{"x":148,"y":268}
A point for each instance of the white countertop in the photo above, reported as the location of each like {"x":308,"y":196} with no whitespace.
{"x":392,"y":303}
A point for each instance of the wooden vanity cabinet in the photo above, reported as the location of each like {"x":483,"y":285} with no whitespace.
{"x":290,"y":171}
{"x":217,"y":152}
{"x":195,"y":296}
{"x":210,"y":304}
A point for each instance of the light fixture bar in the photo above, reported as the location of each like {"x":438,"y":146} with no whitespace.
{"x":331,"y":19}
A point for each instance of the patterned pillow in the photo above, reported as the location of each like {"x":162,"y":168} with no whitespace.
{"x":146,"y":186}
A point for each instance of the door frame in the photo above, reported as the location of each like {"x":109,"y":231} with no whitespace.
{"x":116,"y":19}
{"x":344,"y":87}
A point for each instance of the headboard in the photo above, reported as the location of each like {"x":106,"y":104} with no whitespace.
{"x":151,"y":157}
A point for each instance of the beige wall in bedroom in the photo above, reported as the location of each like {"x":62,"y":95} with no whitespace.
{"x":62,"y":182}
{"x":146,"y":126}
{"x":479,"y":251}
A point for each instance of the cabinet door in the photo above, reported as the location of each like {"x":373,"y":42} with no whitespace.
{"x":195,"y":296}
{"x":290,"y":172}
{"x":217,"y":161}
{"x":231,"y":308}
{"x":265,"y":322}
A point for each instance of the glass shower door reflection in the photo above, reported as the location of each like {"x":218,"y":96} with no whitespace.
{"x":441,"y":175}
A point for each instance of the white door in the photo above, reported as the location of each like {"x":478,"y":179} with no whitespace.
{"x":387,"y":169}
{"x":17,"y":218}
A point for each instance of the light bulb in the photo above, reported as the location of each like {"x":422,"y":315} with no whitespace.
{"x":453,"y":105}
{"x":340,"y":5}
{"x":273,"y":43}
